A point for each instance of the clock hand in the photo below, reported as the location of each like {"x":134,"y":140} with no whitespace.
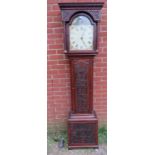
{"x":83,"y":42}
{"x":82,"y":35}
{"x":81,"y":38}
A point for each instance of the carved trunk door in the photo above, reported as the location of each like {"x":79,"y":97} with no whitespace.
{"x":81,"y":75}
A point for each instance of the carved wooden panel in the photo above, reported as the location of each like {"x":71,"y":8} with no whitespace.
{"x":82,"y":85}
{"x":69,"y":9}
{"x":82,"y":133}
{"x":67,"y":14}
{"x":81,"y":82}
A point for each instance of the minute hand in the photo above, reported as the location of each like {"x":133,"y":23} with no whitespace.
{"x":83,"y":41}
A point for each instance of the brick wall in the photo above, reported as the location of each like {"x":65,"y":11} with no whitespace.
{"x":59,"y":99}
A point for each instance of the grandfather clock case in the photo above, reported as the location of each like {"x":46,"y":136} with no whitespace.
{"x":80,"y":45}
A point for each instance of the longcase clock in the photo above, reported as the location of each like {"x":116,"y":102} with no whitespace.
{"x":80,"y":39}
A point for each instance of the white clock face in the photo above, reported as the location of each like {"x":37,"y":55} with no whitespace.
{"x":81,"y":34}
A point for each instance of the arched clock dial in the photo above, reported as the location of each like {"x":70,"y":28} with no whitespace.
{"x":81,"y":34}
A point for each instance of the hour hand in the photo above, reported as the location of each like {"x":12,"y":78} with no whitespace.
{"x":82,"y":35}
{"x":83,"y":41}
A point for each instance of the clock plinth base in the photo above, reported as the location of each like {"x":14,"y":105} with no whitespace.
{"x":82,"y":131}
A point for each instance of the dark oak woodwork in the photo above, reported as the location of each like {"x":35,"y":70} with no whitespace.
{"x":82,"y":84}
{"x":82,"y":120}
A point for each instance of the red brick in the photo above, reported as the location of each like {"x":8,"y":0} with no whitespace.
{"x":54,"y":25}
{"x":57,"y":46}
{"x":53,"y":13}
